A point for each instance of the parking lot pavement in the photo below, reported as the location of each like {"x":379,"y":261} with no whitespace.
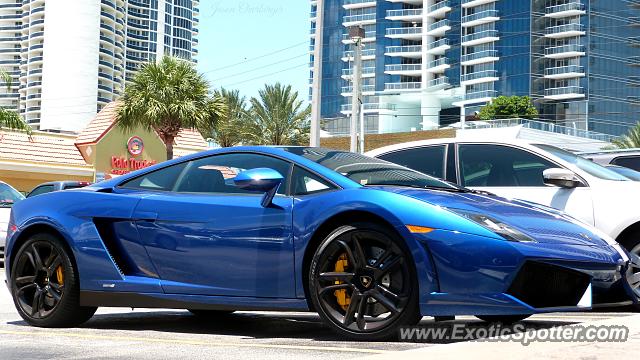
{"x":153,"y":334}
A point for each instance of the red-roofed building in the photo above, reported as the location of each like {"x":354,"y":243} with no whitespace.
{"x":100,"y":151}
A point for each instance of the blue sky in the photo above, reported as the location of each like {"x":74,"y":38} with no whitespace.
{"x":237,"y":31}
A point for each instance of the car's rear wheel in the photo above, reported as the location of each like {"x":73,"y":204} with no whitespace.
{"x":503,"y":319}
{"x":362,"y":282}
{"x":632,"y":244}
{"x":44,"y":284}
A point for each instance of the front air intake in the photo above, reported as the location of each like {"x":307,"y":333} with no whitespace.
{"x":544,"y":285}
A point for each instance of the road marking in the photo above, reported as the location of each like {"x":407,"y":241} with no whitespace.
{"x":192,"y":342}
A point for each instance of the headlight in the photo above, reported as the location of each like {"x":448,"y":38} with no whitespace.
{"x":506,"y":231}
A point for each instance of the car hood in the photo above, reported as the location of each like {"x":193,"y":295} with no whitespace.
{"x":541,"y":225}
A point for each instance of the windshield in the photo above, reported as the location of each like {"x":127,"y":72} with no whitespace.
{"x":369,"y":171}
{"x":585,"y":165}
{"x":8,"y":196}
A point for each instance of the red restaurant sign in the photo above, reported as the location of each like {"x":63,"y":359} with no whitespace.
{"x":121,"y":165}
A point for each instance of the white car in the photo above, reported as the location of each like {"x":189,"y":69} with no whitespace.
{"x":544,"y":174}
{"x":8,"y":197}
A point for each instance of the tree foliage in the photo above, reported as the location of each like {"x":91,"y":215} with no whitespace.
{"x":9,"y":118}
{"x":166,"y":97}
{"x":278,"y":117}
{"x":508,"y":107}
{"x":631,"y":140}
{"x":229,"y":128}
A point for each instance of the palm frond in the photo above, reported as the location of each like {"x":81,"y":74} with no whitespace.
{"x":12,"y":120}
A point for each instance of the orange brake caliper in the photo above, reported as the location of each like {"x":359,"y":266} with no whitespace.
{"x":60,"y":275}
{"x":343,"y":299}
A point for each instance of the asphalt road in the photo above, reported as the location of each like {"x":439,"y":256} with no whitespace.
{"x":168,"y":334}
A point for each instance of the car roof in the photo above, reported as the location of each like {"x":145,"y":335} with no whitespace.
{"x":457,"y":140}
{"x":612,"y":152}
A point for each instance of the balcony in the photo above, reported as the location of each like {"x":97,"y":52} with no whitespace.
{"x":564,"y":51}
{"x":563,"y":93}
{"x":477,"y":97}
{"x":403,"y":86}
{"x":439,"y":28}
{"x":366,"y":90}
{"x":473,"y":3}
{"x":369,"y":36}
{"x":358,"y":4}
{"x":564,"y":72}
{"x":479,"y":77}
{"x":480,"y":57}
{"x":368,"y":54}
{"x":438,"y":47}
{"x":438,"y":83}
{"x":439,"y":10}
{"x":405,"y":15}
{"x":366,"y":72}
{"x":438,"y":66}
{"x":563,"y":31}
{"x":481,"y":37}
{"x":565,"y":10}
{"x":480,"y":18}
{"x":361,"y":19}
{"x":403,"y":69}
{"x":408,"y":51}
{"x":370,"y":107}
{"x":407,"y":33}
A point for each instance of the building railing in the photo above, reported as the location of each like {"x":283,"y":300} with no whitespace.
{"x":479,"y":75}
{"x":404,"y":31}
{"x":441,"y":81}
{"x":480,"y":35}
{"x":437,"y":6}
{"x":564,"y":91}
{"x":481,"y":95}
{"x":480,"y":15}
{"x":564,"y":70}
{"x":404,"y":12}
{"x":355,"y":2}
{"x":437,"y":44}
{"x":558,"y":29}
{"x":439,"y":24}
{"x":368,"y":34}
{"x":367,"y":70}
{"x":367,"y":52}
{"x":438,"y":62}
{"x":359,"y":18}
{"x":371,"y":106}
{"x":403,"y":49}
{"x":565,"y":7}
{"x":403,"y":86}
{"x":564,"y":49}
{"x":403,"y":67}
{"x":365,"y":88}
{"x":479,"y":55}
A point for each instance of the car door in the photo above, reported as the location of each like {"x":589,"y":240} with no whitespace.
{"x":516,"y":173}
{"x":207,"y":237}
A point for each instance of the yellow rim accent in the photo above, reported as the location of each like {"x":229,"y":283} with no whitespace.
{"x":343,"y":299}
{"x":60,"y":275}
{"x":419,"y":229}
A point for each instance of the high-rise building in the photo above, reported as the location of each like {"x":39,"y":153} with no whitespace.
{"x":71,"y":59}
{"x":428,"y":63}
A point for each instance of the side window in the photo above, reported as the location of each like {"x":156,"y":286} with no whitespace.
{"x":41,"y":190}
{"x":159,"y":180}
{"x":427,"y":160}
{"x":305,"y":183}
{"x":496,"y":165}
{"x":631,"y":162}
{"x":214,"y":174}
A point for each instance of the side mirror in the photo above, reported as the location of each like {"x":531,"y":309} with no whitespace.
{"x":260,"y":179}
{"x":561,"y":178}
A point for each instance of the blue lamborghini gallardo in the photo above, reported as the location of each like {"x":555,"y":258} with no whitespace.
{"x":368,"y":245}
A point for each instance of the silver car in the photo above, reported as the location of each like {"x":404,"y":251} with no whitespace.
{"x":8,"y":197}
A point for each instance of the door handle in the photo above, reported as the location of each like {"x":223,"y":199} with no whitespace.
{"x":145,"y":216}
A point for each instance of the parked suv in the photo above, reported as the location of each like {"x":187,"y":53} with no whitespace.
{"x":532,"y":172}
{"x":627,"y":158}
{"x":56,"y":186}
{"x":8,"y":197}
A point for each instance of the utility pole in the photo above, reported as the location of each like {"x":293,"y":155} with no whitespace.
{"x":356,"y":34}
{"x":317,"y":76}
{"x":362,"y":149}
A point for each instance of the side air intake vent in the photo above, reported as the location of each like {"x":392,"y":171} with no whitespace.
{"x":544,"y":285}
{"x":114,"y":248}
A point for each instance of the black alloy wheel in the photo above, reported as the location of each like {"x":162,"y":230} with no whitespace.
{"x":44,"y":284}
{"x":362,"y":282}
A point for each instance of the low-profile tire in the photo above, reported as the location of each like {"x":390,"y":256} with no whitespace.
{"x":209,"y":314}
{"x":44,"y":284}
{"x":631,"y":242}
{"x":502,"y":319}
{"x":376,"y":274}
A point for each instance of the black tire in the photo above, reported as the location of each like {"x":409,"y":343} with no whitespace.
{"x":379,"y":281}
{"x":631,"y":242}
{"x":503,"y":319}
{"x":210,"y":314}
{"x":35,"y":274}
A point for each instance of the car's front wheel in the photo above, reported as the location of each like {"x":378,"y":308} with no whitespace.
{"x":44,"y":284}
{"x":362,"y":282}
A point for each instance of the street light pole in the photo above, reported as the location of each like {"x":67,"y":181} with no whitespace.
{"x":314,"y":136}
{"x":356,"y":34}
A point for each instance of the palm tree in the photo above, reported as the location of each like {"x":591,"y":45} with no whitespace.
{"x":279,"y":117}
{"x":166,"y":97}
{"x":228,"y":129}
{"x":10,"y":119}
{"x":631,"y":140}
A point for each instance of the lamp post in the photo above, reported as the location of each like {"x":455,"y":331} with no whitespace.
{"x":356,"y":33}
